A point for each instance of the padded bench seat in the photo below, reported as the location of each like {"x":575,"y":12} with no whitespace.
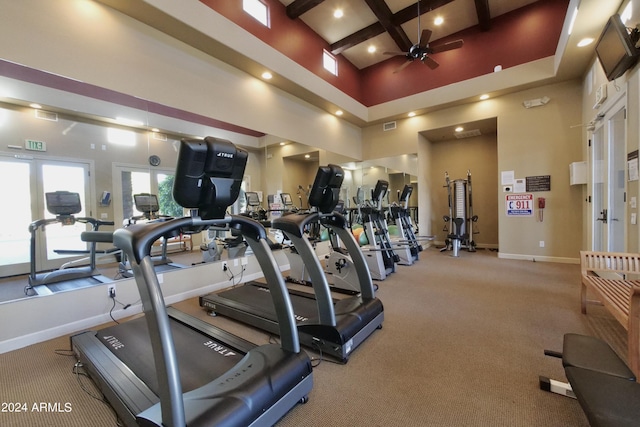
{"x":602,"y":383}
{"x":607,"y":400}
{"x":586,"y":352}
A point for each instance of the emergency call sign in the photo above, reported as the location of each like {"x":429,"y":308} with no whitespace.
{"x":519,"y":204}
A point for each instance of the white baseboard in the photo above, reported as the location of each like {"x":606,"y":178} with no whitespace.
{"x":539,"y":258}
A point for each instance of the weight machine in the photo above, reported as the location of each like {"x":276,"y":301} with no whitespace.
{"x":459,"y":222}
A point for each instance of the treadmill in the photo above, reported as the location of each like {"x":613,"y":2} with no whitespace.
{"x":331,"y":327}
{"x":170,"y":369}
{"x":64,"y":205}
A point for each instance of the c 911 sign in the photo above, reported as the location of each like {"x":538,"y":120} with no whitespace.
{"x":519,"y":204}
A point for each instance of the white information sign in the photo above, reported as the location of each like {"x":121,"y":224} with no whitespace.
{"x":519,"y":204}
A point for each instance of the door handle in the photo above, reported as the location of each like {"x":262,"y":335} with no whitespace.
{"x":603,"y":218}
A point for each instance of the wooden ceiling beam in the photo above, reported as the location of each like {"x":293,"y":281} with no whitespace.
{"x":358,"y":37}
{"x":298,"y":7}
{"x":385,"y":16}
{"x":397,"y":19}
{"x":484,"y":14}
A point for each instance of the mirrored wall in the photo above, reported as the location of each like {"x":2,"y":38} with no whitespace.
{"x":107,"y":150}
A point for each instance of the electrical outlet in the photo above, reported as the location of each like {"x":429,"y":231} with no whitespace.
{"x":244,"y":260}
{"x":111,"y":291}
{"x":542,"y":243}
{"x":224,"y":266}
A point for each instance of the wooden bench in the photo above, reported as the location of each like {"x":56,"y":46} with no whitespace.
{"x":613,"y":278}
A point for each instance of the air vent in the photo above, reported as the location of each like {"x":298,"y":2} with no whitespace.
{"x":159,"y":136}
{"x":468,"y":134}
{"x":389,"y":126}
{"x":46,"y":115}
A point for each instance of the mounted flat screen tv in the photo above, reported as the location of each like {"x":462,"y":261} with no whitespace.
{"x":616,"y":48}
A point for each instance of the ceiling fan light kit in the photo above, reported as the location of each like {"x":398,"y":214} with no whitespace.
{"x":422,"y":50}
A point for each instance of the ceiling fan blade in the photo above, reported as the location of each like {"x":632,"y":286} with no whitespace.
{"x":430,"y":62}
{"x":394,"y":53}
{"x":403,"y":66}
{"x":447,"y":46}
{"x":424,"y":38}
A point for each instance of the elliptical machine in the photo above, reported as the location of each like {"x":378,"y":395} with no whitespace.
{"x":461,"y":218}
{"x":400,"y":215}
{"x":379,"y":254}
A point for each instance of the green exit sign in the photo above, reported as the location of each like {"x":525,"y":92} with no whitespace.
{"x":33,"y":145}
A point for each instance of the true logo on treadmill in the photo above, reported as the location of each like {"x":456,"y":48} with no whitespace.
{"x":225,"y":155}
{"x":220,"y":349}
{"x":114,"y":342}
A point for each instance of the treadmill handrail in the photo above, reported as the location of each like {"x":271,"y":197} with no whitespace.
{"x":135,"y":240}
{"x":294,"y":224}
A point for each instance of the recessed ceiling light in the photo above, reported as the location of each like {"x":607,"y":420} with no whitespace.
{"x":307,"y":156}
{"x":283,"y":143}
{"x":338,"y":13}
{"x":34,"y":105}
{"x":411,"y":114}
{"x":339,"y":113}
{"x":371,"y":49}
{"x":155,"y":130}
{"x":438,"y":21}
{"x":459,"y":129}
{"x":267,"y":75}
{"x":484,"y":96}
{"x":585,"y":42}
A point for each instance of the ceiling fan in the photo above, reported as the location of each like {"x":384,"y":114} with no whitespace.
{"x":422,"y":50}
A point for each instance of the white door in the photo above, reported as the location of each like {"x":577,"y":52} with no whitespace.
{"x":608,"y":181}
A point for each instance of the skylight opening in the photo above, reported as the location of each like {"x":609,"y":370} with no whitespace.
{"x":258,"y":9}
{"x":329,"y":62}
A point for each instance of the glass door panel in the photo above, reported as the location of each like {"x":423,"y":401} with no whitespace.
{"x":14,"y":227}
{"x":599,"y":189}
{"x":62,"y":177}
{"x":168,"y":206}
{"x":616,"y":214}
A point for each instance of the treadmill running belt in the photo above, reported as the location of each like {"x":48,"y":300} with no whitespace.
{"x":305,"y":308}
{"x":200,"y":358}
{"x":67,"y":285}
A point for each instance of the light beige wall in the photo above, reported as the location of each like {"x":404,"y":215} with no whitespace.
{"x":478,"y":155}
{"x":537,"y":141}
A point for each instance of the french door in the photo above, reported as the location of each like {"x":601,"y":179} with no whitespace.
{"x":608,"y":181}
{"x":23,"y":194}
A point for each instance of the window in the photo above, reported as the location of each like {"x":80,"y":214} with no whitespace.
{"x":257,"y":9}
{"x":330,"y":63}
